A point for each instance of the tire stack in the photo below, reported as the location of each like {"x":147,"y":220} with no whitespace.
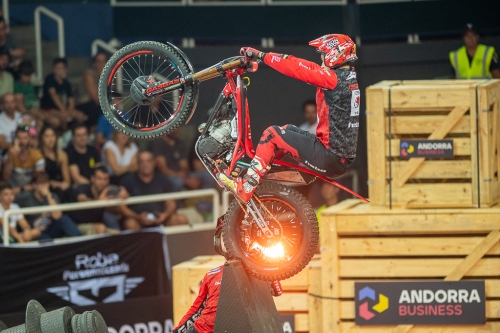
{"x":63,"y":320}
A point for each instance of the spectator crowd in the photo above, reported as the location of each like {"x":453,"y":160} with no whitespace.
{"x":57,"y":149}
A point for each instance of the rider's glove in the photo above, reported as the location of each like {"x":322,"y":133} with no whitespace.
{"x":252,"y":53}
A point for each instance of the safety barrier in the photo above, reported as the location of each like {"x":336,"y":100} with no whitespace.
{"x":38,"y":37}
{"x":118,"y":202}
{"x":126,"y":3}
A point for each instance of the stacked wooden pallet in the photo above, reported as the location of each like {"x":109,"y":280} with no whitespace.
{"x":366,"y":243}
{"x":465,"y":111}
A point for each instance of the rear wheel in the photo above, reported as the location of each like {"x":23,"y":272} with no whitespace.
{"x":293,"y":223}
{"x":134,"y":68}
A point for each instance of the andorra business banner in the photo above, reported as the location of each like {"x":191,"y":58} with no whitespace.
{"x":84,"y":273}
{"x":423,"y":302}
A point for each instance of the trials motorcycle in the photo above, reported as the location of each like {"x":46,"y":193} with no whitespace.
{"x":147,"y":89}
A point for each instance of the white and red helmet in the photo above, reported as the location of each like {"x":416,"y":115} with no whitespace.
{"x":337,"y":49}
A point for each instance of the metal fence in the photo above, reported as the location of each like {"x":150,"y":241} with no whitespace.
{"x":118,"y":202}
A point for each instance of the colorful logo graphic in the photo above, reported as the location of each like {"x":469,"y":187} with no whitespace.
{"x":406,"y":148}
{"x":381,"y":306}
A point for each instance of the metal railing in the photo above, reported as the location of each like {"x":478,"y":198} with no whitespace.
{"x":94,"y":48}
{"x":122,"y":3}
{"x":38,"y":37}
{"x":116,"y":202}
{"x":5,"y":11}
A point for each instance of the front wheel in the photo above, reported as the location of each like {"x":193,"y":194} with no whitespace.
{"x":293,"y":223}
{"x":125,"y":77}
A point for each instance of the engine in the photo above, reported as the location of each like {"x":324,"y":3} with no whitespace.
{"x":218,"y":141}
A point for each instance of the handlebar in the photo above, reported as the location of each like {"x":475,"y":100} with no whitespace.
{"x":206,"y":74}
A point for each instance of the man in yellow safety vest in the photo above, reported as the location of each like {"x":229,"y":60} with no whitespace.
{"x":474,"y":60}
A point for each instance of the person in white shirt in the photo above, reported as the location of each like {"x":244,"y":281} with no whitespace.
{"x":119,"y":155}
{"x":9,"y":120}
{"x":19,"y":228}
{"x":311,"y":116}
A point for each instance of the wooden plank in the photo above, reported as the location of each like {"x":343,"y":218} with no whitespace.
{"x":375,"y":124}
{"x":348,"y":311}
{"x":492,"y":288}
{"x":474,"y":144}
{"x":425,"y":124}
{"x":473,"y":258}
{"x":181,"y":292}
{"x":438,"y":133}
{"x":447,"y":169}
{"x":432,"y":195}
{"x":351,"y":327}
{"x":292,"y":302}
{"x":461,"y":147}
{"x":315,"y":303}
{"x":489,"y":141}
{"x":330,"y":316}
{"x":302,"y":322}
{"x":404,"y":96}
{"x":413,"y":268}
{"x":417,"y":224}
{"x":411,"y":246}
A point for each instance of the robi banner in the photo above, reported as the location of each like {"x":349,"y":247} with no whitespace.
{"x":433,"y":302}
{"x":85,"y":273}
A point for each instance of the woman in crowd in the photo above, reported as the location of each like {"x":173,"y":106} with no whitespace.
{"x":56,"y":162}
{"x":119,"y":156}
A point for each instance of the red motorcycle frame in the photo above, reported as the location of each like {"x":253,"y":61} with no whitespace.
{"x":244,"y":145}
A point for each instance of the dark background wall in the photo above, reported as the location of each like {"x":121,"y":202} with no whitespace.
{"x":274,"y":99}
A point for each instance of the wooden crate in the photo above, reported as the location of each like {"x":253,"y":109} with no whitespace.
{"x":294,"y":300}
{"x":361,"y":242}
{"x":466,"y":111}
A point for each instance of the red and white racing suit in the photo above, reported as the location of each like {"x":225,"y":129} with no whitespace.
{"x":201,"y":315}
{"x":332,"y":150}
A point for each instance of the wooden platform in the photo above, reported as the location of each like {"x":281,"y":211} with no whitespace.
{"x":465,"y":111}
{"x":294,"y":300}
{"x":360,"y":242}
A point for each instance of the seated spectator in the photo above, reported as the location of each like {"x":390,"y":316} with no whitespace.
{"x":311,"y":116}
{"x":10,"y":43}
{"x":9,"y":120}
{"x":81,"y":156}
{"x":19,"y":228}
{"x":93,"y":221}
{"x":22,"y":161}
{"x":143,"y":182}
{"x":56,"y":163}
{"x":24,"y":90}
{"x":119,"y":155}
{"x":172,"y":162}
{"x":57,"y":101}
{"x":104,"y":131}
{"x":91,"y":106}
{"x":6,"y":78}
{"x":54,"y":224}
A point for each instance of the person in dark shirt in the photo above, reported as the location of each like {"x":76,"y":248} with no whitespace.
{"x":93,"y":221}
{"x":82,"y":157}
{"x":57,"y":100}
{"x":54,"y":224}
{"x":143,"y":182}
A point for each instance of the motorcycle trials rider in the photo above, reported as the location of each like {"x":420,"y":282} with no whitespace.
{"x":333,"y":149}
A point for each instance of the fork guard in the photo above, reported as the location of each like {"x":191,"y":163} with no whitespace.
{"x":196,"y":84}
